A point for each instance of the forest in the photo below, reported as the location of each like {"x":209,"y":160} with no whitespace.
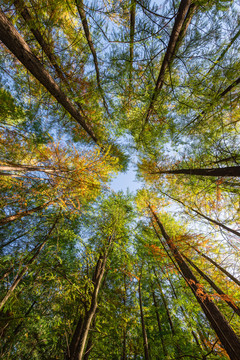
{"x":91,"y":90}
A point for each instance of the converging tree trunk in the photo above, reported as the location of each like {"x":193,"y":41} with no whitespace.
{"x":82,"y":13}
{"x":21,"y":214}
{"x":170,"y":52}
{"x":21,"y":274}
{"x":159,"y":322}
{"x":233,"y":278}
{"x":79,"y":339}
{"x":222,"y":328}
{"x":144,"y":333}
{"x":17,"y":45}
{"x":222,"y":294}
{"x":222,"y":172}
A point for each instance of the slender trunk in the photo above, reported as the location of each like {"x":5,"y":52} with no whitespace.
{"x":21,"y":214}
{"x":223,"y":296}
{"x":222,"y":328}
{"x":165,"y":306}
{"x":29,"y":19}
{"x":144,"y":333}
{"x":23,"y":10}
{"x":223,"y":52}
{"x":226,"y":171}
{"x":24,"y":168}
{"x":184,"y":313}
{"x":170,"y":52}
{"x":159,"y":322}
{"x":217,"y":98}
{"x":131,"y":47}
{"x":191,"y":11}
{"x":90,"y":341}
{"x":235,"y":232}
{"x":124,"y":352}
{"x":82,"y":13}
{"x":78,"y":343}
{"x":17,"y":45}
{"x":218,"y":267}
{"x":21,"y":274}
{"x":15,"y":239}
{"x":204,"y":216}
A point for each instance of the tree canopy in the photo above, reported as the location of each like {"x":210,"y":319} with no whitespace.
{"x":88,"y":90}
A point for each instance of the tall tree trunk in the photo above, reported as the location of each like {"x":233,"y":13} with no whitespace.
{"x":15,"y":239}
{"x":218,"y":266}
{"x":79,"y":339}
{"x":124,"y":343}
{"x":25,"y":13}
{"x":235,"y":232}
{"x":226,"y":171}
{"x":131,"y":46}
{"x":184,"y":313}
{"x":159,"y":322}
{"x":82,"y":13}
{"x":144,"y":333}
{"x":19,"y":276}
{"x":165,"y":306}
{"x":89,"y":345}
{"x":17,"y":45}
{"x":170,"y":52}
{"x":222,"y":294}
{"x":21,"y":214}
{"x":222,"y":328}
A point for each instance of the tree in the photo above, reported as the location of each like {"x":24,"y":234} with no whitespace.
{"x":86,"y":89}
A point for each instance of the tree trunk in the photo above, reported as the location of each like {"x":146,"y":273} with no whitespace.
{"x":79,"y":339}
{"x":235,"y":232}
{"x":218,"y":267}
{"x":222,"y":172}
{"x":184,"y":314}
{"x":165,"y":306}
{"x":131,"y":46}
{"x":82,"y":13}
{"x":144,"y":333}
{"x":159,"y":323}
{"x":17,"y":45}
{"x":170,"y":52}
{"x":223,"y":296}
{"x":21,"y":214}
{"x":124,"y":351}
{"x":222,"y":328}
{"x":19,"y":277}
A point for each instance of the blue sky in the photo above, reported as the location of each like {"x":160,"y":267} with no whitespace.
{"x":126,"y":181}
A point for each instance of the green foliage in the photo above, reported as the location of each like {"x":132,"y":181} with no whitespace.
{"x":59,"y":218}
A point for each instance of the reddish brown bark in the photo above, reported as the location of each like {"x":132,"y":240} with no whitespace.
{"x":17,"y":45}
{"x":222,"y":328}
{"x":219,"y":291}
